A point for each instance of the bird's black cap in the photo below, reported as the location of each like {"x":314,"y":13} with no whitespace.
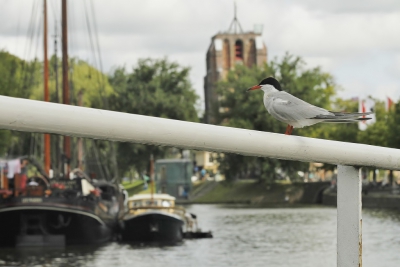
{"x":271,"y":81}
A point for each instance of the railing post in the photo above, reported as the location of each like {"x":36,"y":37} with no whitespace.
{"x":349,"y":221}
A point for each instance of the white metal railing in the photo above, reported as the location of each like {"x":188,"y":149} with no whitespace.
{"x":36,"y":116}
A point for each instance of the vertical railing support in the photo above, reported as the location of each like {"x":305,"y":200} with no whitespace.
{"x":349,"y":221}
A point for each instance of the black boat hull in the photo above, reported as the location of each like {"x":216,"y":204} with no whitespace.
{"x":152,"y":227}
{"x":51,"y":226}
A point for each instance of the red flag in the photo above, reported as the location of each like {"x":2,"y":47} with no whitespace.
{"x":366,"y":105}
{"x":389,"y":103}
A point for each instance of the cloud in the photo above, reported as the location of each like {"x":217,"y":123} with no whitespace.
{"x":307,"y":33}
{"x":351,"y":6}
{"x":357,"y":41}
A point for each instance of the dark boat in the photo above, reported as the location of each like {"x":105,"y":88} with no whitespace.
{"x":58,"y":212}
{"x":153,"y":218}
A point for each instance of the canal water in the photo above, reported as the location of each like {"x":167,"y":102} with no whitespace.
{"x":243,"y":236}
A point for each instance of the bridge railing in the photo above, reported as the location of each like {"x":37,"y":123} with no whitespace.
{"x":36,"y":116}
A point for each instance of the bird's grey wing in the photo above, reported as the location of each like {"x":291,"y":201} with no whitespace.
{"x":288,"y":108}
{"x":344,"y":115}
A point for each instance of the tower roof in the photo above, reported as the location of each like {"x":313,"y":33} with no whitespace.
{"x":235,"y":24}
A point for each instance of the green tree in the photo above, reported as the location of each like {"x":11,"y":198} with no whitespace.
{"x":377,"y":134}
{"x":155,"y":87}
{"x":345,"y":132}
{"x":83,"y":78}
{"x":16,"y":75}
{"x":246,"y":110}
{"x":17,"y":78}
{"x":393,"y":126}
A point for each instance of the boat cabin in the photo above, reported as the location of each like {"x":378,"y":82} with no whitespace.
{"x":145,"y":200}
{"x":143,"y":203}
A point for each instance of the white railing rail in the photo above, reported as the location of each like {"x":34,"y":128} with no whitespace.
{"x":36,"y":116}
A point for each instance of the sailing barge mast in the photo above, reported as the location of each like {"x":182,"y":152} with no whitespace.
{"x":65,"y":87}
{"x":65,"y":84}
{"x":46,"y":88}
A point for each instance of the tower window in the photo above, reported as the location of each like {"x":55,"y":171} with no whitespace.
{"x":239,"y":50}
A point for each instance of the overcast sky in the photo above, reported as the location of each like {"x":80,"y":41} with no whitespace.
{"x":357,"y":41}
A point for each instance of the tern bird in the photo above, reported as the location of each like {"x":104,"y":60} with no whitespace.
{"x":296,"y":112}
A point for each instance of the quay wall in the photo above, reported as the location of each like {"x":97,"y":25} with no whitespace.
{"x":281,"y":194}
{"x":384,"y":200}
{"x":259,"y":193}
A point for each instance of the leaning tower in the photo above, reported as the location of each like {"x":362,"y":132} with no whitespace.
{"x":227,"y":49}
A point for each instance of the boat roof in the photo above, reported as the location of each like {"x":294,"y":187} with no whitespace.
{"x":172,"y":160}
{"x":148,"y":196}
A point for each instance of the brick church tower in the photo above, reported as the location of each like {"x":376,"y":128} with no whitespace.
{"x":225,"y":51}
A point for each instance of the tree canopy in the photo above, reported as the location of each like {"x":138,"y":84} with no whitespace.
{"x":246,"y":110}
{"x":16,"y":79}
{"x":161,"y":88}
{"x":155,"y":87}
{"x":83,"y":78}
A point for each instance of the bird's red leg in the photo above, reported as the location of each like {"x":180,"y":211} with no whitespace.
{"x":288,"y":130}
{"x":291,"y":129}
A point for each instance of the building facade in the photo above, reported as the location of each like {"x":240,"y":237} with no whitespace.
{"x":173,"y":177}
{"x":227,"y":49}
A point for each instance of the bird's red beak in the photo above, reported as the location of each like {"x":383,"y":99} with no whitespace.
{"x":255,"y":87}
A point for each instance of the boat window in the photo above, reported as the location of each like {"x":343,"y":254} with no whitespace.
{"x":134,"y":204}
{"x":166,"y":203}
